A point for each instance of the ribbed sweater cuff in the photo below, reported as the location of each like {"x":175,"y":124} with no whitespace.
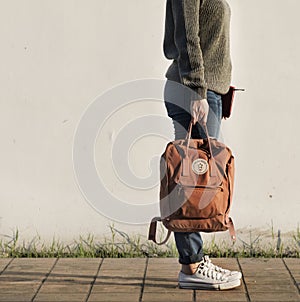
{"x":199,"y":94}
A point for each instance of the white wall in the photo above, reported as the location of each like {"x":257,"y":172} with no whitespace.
{"x":58,"y":56}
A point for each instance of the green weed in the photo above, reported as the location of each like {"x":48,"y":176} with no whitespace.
{"x":121,"y":245}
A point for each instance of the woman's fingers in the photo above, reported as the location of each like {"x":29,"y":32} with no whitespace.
{"x":204,"y":108}
{"x":195,"y":116}
{"x":199,"y":111}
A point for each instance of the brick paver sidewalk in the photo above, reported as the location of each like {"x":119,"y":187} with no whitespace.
{"x":140,"y":279}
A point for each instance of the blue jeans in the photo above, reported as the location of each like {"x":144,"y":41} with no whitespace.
{"x":177,"y":101}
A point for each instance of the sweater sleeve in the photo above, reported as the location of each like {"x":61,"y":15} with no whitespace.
{"x":187,"y":41}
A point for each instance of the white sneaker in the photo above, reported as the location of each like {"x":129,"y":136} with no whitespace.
{"x":227,"y":272}
{"x":207,"y":277}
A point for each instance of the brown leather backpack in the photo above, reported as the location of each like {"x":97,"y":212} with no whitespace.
{"x":196,"y":187}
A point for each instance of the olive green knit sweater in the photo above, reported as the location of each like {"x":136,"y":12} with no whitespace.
{"x":197,"y":40}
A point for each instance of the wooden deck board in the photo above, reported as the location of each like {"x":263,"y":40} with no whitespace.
{"x":155,"y":280}
{"x":268,"y":280}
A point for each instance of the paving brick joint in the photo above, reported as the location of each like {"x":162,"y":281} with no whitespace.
{"x":141,"y":280}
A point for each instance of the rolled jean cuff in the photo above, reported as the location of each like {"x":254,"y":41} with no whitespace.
{"x":191,"y":259}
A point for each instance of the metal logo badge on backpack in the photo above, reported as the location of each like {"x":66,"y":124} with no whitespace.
{"x":200,"y":166}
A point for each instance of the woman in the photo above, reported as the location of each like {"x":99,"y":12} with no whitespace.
{"x":197,"y":40}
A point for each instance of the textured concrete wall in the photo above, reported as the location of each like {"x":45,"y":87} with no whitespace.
{"x":58,"y":56}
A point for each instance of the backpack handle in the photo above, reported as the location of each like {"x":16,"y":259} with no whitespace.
{"x":185,"y":161}
{"x":189,"y":135}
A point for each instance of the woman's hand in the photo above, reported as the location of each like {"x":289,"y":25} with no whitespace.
{"x":199,"y":111}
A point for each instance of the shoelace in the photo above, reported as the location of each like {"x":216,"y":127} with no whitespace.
{"x":208,"y":271}
{"x":215,"y":267}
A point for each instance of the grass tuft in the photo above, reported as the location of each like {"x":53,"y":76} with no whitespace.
{"x":121,"y":245}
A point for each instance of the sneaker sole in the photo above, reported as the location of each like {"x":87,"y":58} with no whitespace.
{"x":219,"y":286}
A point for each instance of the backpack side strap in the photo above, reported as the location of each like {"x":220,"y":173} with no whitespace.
{"x":152,"y":231}
{"x":231,"y":229}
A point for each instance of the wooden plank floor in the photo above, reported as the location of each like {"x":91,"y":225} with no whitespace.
{"x":140,"y":279}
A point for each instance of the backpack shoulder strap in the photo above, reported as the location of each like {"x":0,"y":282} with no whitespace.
{"x":152,"y":231}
